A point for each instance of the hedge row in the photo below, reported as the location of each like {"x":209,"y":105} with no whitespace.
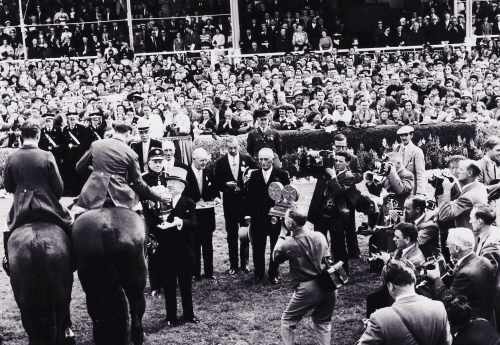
{"x":371,"y":138}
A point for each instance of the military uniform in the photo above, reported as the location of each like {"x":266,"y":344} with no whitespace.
{"x":76,"y":141}
{"x":258,"y":139}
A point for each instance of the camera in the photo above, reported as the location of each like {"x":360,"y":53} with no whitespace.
{"x":436,"y":181}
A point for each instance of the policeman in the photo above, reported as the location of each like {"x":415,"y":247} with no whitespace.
{"x":51,"y":139}
{"x":156,"y":176}
{"x":97,"y":126}
{"x":76,"y":140}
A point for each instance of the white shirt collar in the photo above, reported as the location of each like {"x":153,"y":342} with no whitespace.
{"x":196,"y":171}
{"x":419,"y":219}
{"x":267,"y":173}
{"x":234,"y":158}
{"x":175,"y":200}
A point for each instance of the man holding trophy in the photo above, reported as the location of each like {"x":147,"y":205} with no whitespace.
{"x":173,"y":224}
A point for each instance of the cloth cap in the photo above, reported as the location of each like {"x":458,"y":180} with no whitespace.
{"x":405,"y":130}
{"x":142,"y":124}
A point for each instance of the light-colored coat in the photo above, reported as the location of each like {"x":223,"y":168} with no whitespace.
{"x":414,"y":161}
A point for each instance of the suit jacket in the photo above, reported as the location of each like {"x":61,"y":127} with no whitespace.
{"x":137,"y":147}
{"x":176,"y":246}
{"x":400,"y":183}
{"x":233,"y":201}
{"x":414,"y":255}
{"x":206,"y":217}
{"x":115,"y":174}
{"x":32,"y":176}
{"x":459,"y":209}
{"x":52,"y":141}
{"x":340,"y":192}
{"x":488,"y":170}
{"x":427,"y":319}
{"x":428,"y":236}
{"x":477,"y":332}
{"x":257,"y":139}
{"x":414,"y":161}
{"x":475,"y":278}
{"x":258,"y":201}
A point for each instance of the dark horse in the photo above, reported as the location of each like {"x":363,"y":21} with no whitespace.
{"x":109,"y":250}
{"x":41,"y":276}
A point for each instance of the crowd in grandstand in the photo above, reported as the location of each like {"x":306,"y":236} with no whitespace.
{"x":200,"y":95}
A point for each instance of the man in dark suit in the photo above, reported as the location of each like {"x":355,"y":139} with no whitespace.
{"x":33,"y":177}
{"x":97,"y":126}
{"x":405,"y":239}
{"x":263,"y":135}
{"x":335,"y":199}
{"x":143,"y":147}
{"x":76,"y":140}
{"x":412,"y":319}
{"x":115,"y":180}
{"x":340,"y":145}
{"x":473,"y":276}
{"x":428,"y":230}
{"x":258,"y":204}
{"x":229,"y":173}
{"x":175,"y":249}
{"x":202,"y":189}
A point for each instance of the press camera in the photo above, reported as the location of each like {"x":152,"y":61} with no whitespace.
{"x":284,"y":198}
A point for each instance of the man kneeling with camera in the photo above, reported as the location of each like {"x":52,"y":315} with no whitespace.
{"x":305,"y":249}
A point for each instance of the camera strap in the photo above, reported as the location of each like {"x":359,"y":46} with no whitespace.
{"x":405,"y":322}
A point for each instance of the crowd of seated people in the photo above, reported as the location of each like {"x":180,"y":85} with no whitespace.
{"x":486,"y":16}
{"x":313,"y":91}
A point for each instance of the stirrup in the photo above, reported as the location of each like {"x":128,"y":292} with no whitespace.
{"x":5,"y":265}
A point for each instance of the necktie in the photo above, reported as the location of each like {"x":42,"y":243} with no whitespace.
{"x":234,"y":168}
{"x":476,"y":248}
{"x":200,"y":180}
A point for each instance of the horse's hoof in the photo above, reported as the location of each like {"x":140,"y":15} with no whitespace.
{"x":69,"y":337}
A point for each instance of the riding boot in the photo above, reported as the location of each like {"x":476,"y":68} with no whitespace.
{"x":5,"y":261}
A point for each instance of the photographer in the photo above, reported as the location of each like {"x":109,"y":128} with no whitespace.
{"x":412,"y":319}
{"x":334,"y":202}
{"x":472,"y":193}
{"x":405,"y":239}
{"x":395,"y":179}
{"x":428,"y":230}
{"x":305,"y":249}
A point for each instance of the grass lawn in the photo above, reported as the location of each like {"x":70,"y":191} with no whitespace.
{"x":233,"y":311}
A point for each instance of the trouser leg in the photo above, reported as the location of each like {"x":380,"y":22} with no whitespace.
{"x":351,"y":237}
{"x":185,"y":284}
{"x":273,"y":238}
{"x":197,"y":253}
{"x":232,"y":242}
{"x":170,"y":286}
{"x":338,"y":247}
{"x":258,"y":250}
{"x":208,"y":253}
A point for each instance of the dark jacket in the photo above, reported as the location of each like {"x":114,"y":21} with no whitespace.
{"x":475,"y":278}
{"x":258,"y":139}
{"x":258,"y":201}
{"x":233,"y":200}
{"x":137,"y":147}
{"x":115,"y":175}
{"x":206,"y":216}
{"x":476,"y":332}
{"x":32,"y":176}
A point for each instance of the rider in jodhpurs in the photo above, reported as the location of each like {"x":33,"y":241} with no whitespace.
{"x":31,"y":174}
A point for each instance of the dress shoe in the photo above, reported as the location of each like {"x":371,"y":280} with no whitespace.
{"x":274,"y":280}
{"x":193,"y":319}
{"x":173,"y":323}
{"x":245,"y":269}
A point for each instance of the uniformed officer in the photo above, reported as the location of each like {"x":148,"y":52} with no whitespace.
{"x":76,"y":140}
{"x":97,"y":126}
{"x":156,"y":176}
{"x":51,"y":139}
{"x":263,"y":135}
